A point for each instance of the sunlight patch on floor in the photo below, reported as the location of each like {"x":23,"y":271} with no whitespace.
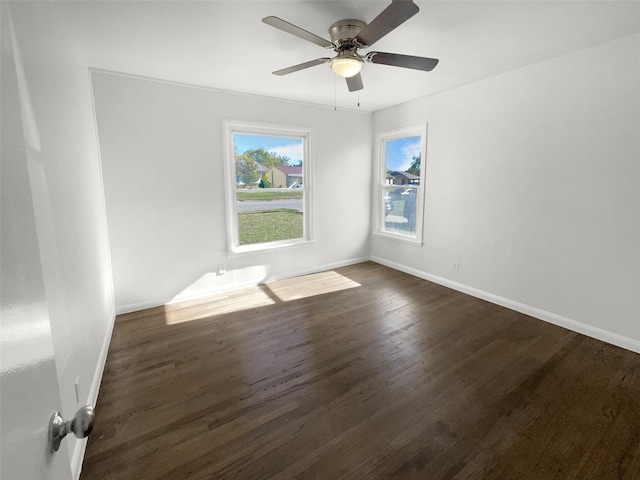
{"x":221,"y":304}
{"x":310,"y":285}
{"x":257,"y":296}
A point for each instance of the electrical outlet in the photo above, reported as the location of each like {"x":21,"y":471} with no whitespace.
{"x":455,"y":266}
{"x":221,"y":269}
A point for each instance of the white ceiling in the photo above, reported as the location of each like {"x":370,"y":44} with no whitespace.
{"x":224,"y":44}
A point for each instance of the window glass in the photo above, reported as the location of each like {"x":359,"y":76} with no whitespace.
{"x":268,"y":188}
{"x":400,"y":190}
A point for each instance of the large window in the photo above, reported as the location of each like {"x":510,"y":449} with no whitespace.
{"x":400,"y":183}
{"x":267,"y":172}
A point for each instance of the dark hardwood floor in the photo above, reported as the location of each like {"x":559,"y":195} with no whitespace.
{"x":360,"y":373}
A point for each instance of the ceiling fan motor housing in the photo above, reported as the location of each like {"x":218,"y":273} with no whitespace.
{"x":343,"y":33}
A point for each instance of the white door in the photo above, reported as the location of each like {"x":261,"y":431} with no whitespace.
{"x":29,"y":391}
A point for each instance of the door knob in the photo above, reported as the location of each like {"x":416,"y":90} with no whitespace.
{"x":81,"y":425}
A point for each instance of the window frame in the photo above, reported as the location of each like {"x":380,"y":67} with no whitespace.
{"x":380,"y":185}
{"x":236,"y":126}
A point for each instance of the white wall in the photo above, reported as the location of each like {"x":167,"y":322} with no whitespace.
{"x":64,"y":168}
{"x":162,"y":155}
{"x":532,"y":184}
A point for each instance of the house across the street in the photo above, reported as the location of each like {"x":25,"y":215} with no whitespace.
{"x":284,"y":176}
{"x":402,"y":178}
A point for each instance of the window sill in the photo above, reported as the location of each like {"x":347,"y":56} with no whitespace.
{"x":268,"y":247}
{"x":414,"y":242}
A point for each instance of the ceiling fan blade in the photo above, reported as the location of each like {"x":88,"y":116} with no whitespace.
{"x":391,"y":17}
{"x":405,"y":61}
{"x":297,"y":31}
{"x":301,"y":66}
{"x":355,"y":83}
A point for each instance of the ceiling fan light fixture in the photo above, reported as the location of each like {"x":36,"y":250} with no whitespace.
{"x":347,"y":66}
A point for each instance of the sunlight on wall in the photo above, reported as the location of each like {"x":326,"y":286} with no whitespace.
{"x":211,"y":283}
{"x":257,"y":296}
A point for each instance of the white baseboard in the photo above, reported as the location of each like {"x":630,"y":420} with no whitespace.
{"x":579,"y":327}
{"x":134,"y":307}
{"x":81,"y":444}
{"x":309,"y":271}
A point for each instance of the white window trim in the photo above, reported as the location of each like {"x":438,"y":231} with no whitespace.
{"x":236,"y":126}
{"x":380,"y":182}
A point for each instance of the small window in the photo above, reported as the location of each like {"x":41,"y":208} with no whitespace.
{"x":267,"y":186}
{"x":400,"y":185}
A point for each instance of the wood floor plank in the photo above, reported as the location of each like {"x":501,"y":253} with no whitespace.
{"x":362,"y":372}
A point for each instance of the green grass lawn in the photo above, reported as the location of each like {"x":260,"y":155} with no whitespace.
{"x":270,"y":225}
{"x":261,"y":194}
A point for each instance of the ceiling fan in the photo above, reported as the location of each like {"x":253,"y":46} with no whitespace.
{"x":348,"y":36}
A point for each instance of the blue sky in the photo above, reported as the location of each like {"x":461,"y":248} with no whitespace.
{"x":400,"y":152}
{"x":287,"y":146}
